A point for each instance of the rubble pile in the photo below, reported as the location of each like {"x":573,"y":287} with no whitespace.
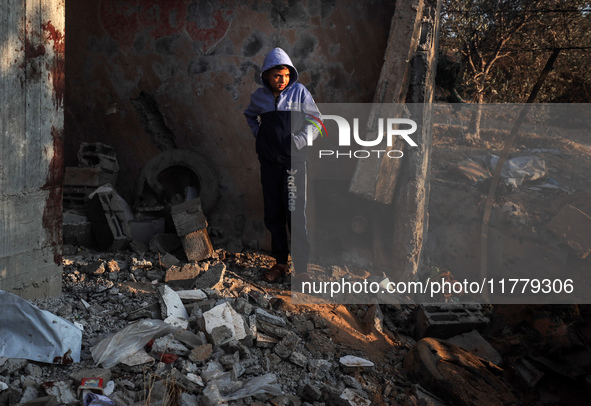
{"x":210,"y":332}
{"x":216,"y":337}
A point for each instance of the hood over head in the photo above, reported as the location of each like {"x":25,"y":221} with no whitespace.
{"x":279,"y":57}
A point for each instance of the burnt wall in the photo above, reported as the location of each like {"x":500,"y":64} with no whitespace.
{"x":146,"y":76}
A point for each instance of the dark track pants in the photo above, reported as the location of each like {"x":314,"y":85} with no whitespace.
{"x":284,"y":197}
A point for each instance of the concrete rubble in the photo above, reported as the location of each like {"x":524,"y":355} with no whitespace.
{"x":234,"y":342}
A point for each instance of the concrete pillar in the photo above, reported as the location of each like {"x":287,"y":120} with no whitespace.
{"x":32,"y":76}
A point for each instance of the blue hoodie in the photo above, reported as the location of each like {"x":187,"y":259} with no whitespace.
{"x":270,"y":119}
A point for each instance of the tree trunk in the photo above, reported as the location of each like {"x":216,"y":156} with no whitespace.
{"x":473,"y":133}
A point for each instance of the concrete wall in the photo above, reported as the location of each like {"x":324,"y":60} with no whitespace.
{"x":31,"y":146}
{"x":196,"y":64}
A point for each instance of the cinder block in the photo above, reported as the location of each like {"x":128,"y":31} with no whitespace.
{"x":93,"y":177}
{"x":109,"y":225}
{"x":98,"y":155}
{"x":76,"y":230}
{"x":188,"y":217}
{"x":447,"y":320}
{"x":197,"y":245}
{"x":74,"y":198}
{"x":574,"y":227}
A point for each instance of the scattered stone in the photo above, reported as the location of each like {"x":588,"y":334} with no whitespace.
{"x":224,"y":316}
{"x":201,"y":354}
{"x":95,"y":268}
{"x":269,"y":318}
{"x":183,"y":275}
{"x":172,"y":307}
{"x":353,"y":362}
{"x":311,"y":393}
{"x":169,"y":345}
{"x":265,"y":341}
{"x":186,"y":399}
{"x":213,"y":278}
{"x":319,"y":367}
{"x":354,"y":399}
{"x":287,"y":345}
{"x":9,"y":366}
{"x":299,"y":359}
{"x":168,"y":260}
{"x":63,"y":393}
{"x":195,"y":294}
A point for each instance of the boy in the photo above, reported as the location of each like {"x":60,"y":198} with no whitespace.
{"x":275,"y":110}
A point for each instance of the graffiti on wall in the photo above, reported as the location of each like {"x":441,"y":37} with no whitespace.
{"x":204,"y":21}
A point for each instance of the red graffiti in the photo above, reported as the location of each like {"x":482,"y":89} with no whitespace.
{"x":164,"y":18}
{"x":57,"y":71}
{"x":120,"y":20}
{"x":52,"y":214}
{"x":123,"y":20}
{"x":210,"y":36}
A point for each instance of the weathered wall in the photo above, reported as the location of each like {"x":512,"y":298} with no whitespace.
{"x":198,"y":61}
{"x":31,"y":146}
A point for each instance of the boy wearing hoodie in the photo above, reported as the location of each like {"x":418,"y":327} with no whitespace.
{"x":277,"y":115}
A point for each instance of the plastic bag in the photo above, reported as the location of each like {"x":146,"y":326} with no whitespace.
{"x":217,"y":391}
{"x":93,"y":399}
{"x":110,"y":351}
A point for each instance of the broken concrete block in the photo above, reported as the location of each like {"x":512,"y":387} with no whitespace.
{"x":272,"y":329}
{"x":352,"y":363}
{"x":477,"y":345}
{"x":191,"y":295}
{"x":299,"y":359}
{"x":354,"y":399}
{"x":91,"y":177}
{"x":444,"y":321}
{"x":163,"y":243}
{"x":269,"y":318}
{"x":197,"y":245}
{"x":221,"y":335}
{"x":109,"y":223}
{"x":186,"y":399}
{"x":287,"y":345}
{"x":184,"y":275}
{"x":574,"y":227}
{"x":76,"y":230}
{"x":212,"y":278}
{"x":319,"y":367}
{"x":225,"y":315}
{"x":98,"y":155}
{"x":188,"y":217}
{"x":148,"y":312}
{"x":63,"y":393}
{"x":74,"y":198}
{"x":172,"y":307}
{"x":138,"y":360}
{"x":265,"y":341}
{"x":168,"y":260}
{"x":311,"y":393}
{"x":169,"y":345}
{"x":201,"y":354}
